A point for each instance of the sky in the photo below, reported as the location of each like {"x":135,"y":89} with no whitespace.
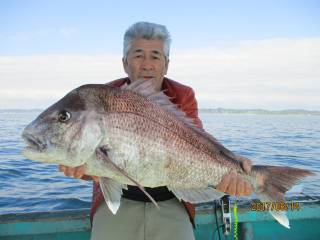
{"x":234,"y":54}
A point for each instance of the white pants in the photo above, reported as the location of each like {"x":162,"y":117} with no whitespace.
{"x":143,"y":221}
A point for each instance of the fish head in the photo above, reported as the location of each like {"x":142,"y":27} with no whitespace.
{"x":66,"y":133}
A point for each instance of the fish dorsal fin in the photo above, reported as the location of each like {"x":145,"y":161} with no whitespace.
{"x":146,"y":89}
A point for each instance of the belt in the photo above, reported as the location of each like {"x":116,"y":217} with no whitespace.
{"x":158,"y":194}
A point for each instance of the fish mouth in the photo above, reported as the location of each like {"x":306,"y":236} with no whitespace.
{"x":34,"y":143}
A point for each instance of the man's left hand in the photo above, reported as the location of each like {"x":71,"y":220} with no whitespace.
{"x":234,"y":184}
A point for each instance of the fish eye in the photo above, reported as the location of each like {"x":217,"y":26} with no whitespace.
{"x":64,"y":116}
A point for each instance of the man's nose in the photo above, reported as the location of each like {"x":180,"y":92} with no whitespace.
{"x":147,"y":64}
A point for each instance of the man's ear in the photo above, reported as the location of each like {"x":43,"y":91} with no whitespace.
{"x":125,"y":64}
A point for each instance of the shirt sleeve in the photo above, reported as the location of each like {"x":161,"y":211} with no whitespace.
{"x":190,"y":106}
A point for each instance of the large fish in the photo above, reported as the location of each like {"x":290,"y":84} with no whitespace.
{"x":134,"y":135}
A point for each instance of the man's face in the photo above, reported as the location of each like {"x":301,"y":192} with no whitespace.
{"x":146,"y":60}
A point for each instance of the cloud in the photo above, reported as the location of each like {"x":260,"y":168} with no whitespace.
{"x":41,"y":34}
{"x":21,"y":37}
{"x":273,"y":74}
{"x":68,"y":32}
{"x":49,"y":77}
{"x":270,"y":74}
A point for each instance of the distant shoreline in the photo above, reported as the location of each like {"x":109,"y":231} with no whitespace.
{"x":259,"y":111}
{"x":217,"y":111}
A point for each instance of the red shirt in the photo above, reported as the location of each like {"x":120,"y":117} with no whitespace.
{"x":183,"y":97}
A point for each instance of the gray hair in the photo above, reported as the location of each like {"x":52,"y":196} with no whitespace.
{"x":148,"y":31}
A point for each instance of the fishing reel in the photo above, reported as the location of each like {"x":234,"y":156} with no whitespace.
{"x":226,"y":214}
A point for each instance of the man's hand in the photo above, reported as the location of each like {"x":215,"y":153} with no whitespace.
{"x":76,"y":172}
{"x":233,"y":184}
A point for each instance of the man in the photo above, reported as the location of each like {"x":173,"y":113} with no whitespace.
{"x":146,"y":56}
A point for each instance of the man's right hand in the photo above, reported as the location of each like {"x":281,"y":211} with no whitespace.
{"x":76,"y":172}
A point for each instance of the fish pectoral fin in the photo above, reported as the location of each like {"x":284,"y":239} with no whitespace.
{"x":103,"y":152}
{"x":196,"y":195}
{"x":112,"y":191}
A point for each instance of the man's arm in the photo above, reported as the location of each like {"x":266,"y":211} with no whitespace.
{"x":77,"y":172}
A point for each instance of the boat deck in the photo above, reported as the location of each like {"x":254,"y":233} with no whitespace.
{"x":75,"y":224}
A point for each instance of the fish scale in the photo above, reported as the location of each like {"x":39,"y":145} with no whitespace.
{"x":180,"y":167}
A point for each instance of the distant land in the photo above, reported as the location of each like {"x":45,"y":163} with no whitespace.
{"x":259,"y":111}
{"x":218,"y":111}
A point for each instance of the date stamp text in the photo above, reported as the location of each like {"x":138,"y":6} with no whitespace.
{"x":275,"y":206}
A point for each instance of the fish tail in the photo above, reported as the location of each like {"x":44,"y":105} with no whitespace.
{"x":273,"y":182}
